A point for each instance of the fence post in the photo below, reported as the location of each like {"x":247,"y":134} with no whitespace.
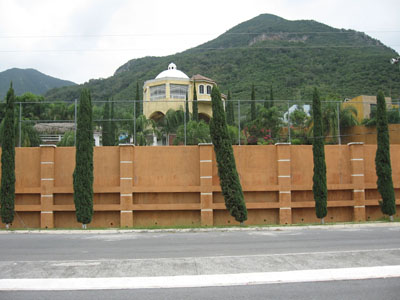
{"x":20,"y":129}
{"x":288,"y":118}
{"x":206,"y":191}
{"x":126,"y":153}
{"x":338,"y":122}
{"x":47,"y":157}
{"x":358,"y":180}
{"x":134,"y":122}
{"x":284,"y":182}
{"x":239,"y":120}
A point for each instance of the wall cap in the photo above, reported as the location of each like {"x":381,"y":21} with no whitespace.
{"x":205,"y":144}
{"x":355,"y":143}
{"x":48,"y":145}
{"x":133,"y":145}
{"x":277,"y":144}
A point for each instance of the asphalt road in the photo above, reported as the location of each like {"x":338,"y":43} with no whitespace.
{"x":61,"y":256}
{"x":387,"y":289}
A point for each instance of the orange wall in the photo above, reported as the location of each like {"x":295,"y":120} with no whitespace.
{"x":173,"y":186}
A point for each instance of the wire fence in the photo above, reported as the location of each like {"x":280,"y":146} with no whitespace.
{"x":173,"y":122}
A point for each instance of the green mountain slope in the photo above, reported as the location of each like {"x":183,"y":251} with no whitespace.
{"x":291,"y":56}
{"x":28,"y":80}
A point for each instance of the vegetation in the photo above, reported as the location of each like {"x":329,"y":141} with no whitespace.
{"x":229,"y":177}
{"x":253,"y":112}
{"x":382,"y":160}
{"x":106,"y":126}
{"x":7,"y":190}
{"x":320,"y":190}
{"x":230,"y":115}
{"x":195,"y":108}
{"x":196,"y":132}
{"x":291,"y":56}
{"x":29,"y":80}
{"x":83,"y":173}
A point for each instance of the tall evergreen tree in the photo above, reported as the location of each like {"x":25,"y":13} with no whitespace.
{"x":83,"y":173}
{"x":230,"y":116}
{"x":253,"y":113}
{"x":382,"y":160}
{"x":138,"y":104}
{"x":229,"y":178}
{"x":195,"y":113}
{"x":7,"y":191}
{"x":106,"y":130}
{"x":187,"y":113}
{"x":320,"y":190}
{"x":269,"y":104}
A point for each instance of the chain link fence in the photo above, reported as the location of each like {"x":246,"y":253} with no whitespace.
{"x":250,"y":122}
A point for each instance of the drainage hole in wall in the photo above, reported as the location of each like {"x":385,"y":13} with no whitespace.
{"x":302,"y":220}
{"x":229,"y":221}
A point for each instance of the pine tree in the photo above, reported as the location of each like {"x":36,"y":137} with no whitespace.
{"x":106,"y":130}
{"x":319,"y":179}
{"x":253,"y":113}
{"x":7,"y":191}
{"x":195,"y":113}
{"x":382,"y":160}
{"x":230,"y":117}
{"x":138,"y":106}
{"x":83,"y":173}
{"x":229,"y":178}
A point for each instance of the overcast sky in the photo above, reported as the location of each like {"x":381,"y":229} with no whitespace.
{"x":79,"y":40}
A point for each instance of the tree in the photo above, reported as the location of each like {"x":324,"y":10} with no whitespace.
{"x":83,"y":173}
{"x":253,"y":113}
{"x":230,"y":116}
{"x":106,"y":128}
{"x":320,"y":190}
{"x":196,"y":132}
{"x":229,"y":178}
{"x":270,"y":103}
{"x":187,"y":113}
{"x":7,"y":191}
{"x":195,"y":112}
{"x":382,"y":160}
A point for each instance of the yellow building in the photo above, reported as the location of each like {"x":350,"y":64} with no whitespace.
{"x":364,"y":104}
{"x":169,"y":89}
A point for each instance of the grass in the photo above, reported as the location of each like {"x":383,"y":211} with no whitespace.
{"x":177,"y":227}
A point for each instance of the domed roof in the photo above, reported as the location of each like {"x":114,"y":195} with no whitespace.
{"x":172,"y":72}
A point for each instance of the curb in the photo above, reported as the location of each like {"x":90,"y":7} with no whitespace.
{"x":194,"y":230}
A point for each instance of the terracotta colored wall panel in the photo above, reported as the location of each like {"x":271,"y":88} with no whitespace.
{"x":337,"y":164}
{"x":27,"y":199}
{"x":301,"y":165}
{"x":25,"y":219}
{"x":106,"y":166}
{"x":166,"y":198}
{"x":64,"y":165}
{"x":27,"y":167}
{"x":165,"y":218}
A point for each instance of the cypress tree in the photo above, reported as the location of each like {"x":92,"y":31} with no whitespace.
{"x":106,"y":130}
{"x":230,"y":117}
{"x":187,"y":114}
{"x":229,"y":178}
{"x":320,"y":190}
{"x":138,"y":106}
{"x":83,"y":173}
{"x":7,"y":191}
{"x":271,"y":97}
{"x":195,"y":113}
{"x":382,"y":160}
{"x":253,"y":104}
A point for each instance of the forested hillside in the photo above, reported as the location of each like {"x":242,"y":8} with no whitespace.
{"x":29,"y":80}
{"x":291,"y":56}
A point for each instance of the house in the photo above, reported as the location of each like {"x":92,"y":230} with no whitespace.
{"x":169,"y":89}
{"x":364,"y":105}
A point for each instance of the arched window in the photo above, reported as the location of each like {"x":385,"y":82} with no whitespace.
{"x":201,"y":89}
{"x":209,"y":89}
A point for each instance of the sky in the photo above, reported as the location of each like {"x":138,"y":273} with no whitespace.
{"x":79,"y":40}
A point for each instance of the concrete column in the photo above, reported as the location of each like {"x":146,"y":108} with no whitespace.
{"x":357,"y":179}
{"x":284,"y":182}
{"x":126,"y":154}
{"x":47,"y":185}
{"x":206,"y":192}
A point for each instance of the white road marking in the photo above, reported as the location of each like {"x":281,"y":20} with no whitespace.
{"x":51,"y":284}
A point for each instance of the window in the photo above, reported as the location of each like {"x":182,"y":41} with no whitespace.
{"x":209,"y":89}
{"x":157,"y":92}
{"x":201,"y":89}
{"x":178,"y":91}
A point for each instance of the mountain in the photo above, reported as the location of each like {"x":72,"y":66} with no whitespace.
{"x":29,"y":80}
{"x":291,"y":56}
